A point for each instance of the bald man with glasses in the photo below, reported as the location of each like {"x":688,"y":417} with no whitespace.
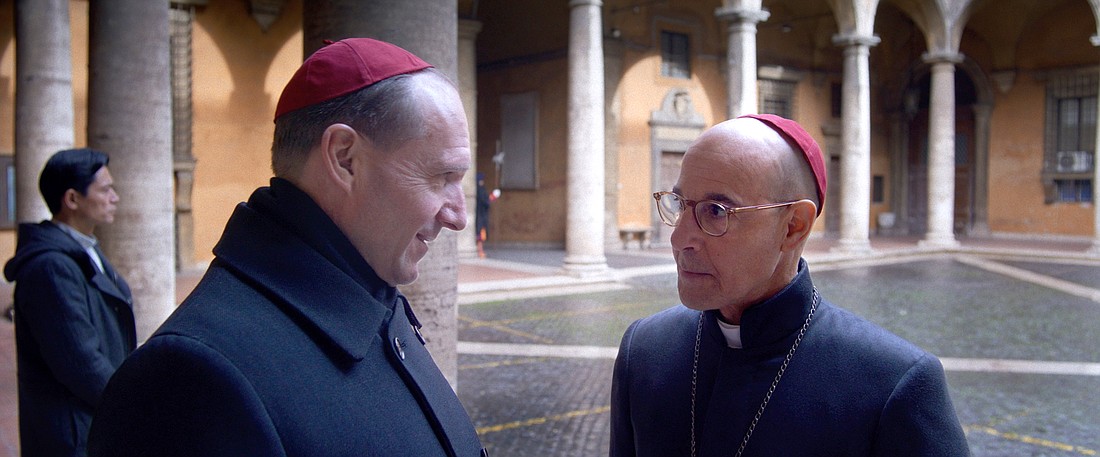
{"x":755,"y":362}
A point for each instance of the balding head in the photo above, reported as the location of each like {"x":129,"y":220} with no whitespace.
{"x":758,"y":173}
{"x":781,"y":170}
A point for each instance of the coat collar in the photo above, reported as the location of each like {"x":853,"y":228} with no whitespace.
{"x":45,"y":236}
{"x":285,"y":244}
{"x":774,"y":319}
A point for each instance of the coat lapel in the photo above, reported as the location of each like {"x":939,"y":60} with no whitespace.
{"x":308,"y":285}
{"x":340,"y":310}
{"x":428,"y":384}
{"x":109,"y":282}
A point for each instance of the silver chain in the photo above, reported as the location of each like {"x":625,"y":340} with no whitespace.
{"x":694,"y":376}
{"x":771,"y":390}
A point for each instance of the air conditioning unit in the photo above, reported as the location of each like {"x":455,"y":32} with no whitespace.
{"x":1074,"y":161}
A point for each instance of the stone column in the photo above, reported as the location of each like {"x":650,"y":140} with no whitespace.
{"x":130,"y":118}
{"x":467,"y":84}
{"x":429,"y":29}
{"x":941,"y":152}
{"x":855,"y":157}
{"x":1095,"y":249}
{"x":584,"y":242}
{"x":982,"y":115}
{"x":741,"y":57}
{"x":43,"y":97}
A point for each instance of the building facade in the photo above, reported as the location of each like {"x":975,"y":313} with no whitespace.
{"x":941,"y":118}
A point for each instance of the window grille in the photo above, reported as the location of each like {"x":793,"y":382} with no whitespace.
{"x":1069,"y":157}
{"x":675,"y":55}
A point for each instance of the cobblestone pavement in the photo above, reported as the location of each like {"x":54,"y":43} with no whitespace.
{"x":1016,"y":324}
{"x":1018,"y":337}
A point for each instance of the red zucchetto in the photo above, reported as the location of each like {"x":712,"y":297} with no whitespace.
{"x":791,"y":131}
{"x":344,"y":67}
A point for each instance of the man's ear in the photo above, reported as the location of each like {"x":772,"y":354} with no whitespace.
{"x":800,"y":223}
{"x":338,"y":153}
{"x":70,"y":200}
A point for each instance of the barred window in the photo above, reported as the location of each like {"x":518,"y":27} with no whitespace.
{"x":776,"y":97}
{"x":1070,"y":137}
{"x":675,"y":55}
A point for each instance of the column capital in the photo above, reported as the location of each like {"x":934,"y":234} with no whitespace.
{"x":852,"y":39}
{"x":942,"y":57}
{"x":741,"y":15}
{"x":576,"y":3}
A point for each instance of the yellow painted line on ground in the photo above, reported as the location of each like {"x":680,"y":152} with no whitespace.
{"x":505,"y":329}
{"x":503,"y":363}
{"x":579,"y":312}
{"x":538,"y":350}
{"x":542,"y":420}
{"x":1029,"y":439}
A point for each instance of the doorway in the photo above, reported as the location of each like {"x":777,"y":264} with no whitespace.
{"x":916,"y":159}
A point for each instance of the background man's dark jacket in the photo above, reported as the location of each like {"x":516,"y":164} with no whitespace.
{"x":290,"y":345}
{"x":73,"y":327}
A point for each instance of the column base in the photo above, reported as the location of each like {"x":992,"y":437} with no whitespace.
{"x":1095,"y":249}
{"x":937,"y":242}
{"x":980,"y":229}
{"x":853,"y":246}
{"x":584,"y":266}
{"x":466,"y":253}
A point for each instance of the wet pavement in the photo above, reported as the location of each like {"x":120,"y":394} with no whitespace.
{"x":1015,"y":322}
{"x":1017,"y":328}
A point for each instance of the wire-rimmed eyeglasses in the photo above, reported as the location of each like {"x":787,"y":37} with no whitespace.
{"x":712,"y":217}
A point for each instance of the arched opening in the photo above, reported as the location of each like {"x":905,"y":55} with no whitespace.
{"x":967,"y":158}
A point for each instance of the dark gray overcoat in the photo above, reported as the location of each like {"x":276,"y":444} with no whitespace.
{"x":851,"y":389}
{"x":74,"y":325}
{"x":290,"y":345}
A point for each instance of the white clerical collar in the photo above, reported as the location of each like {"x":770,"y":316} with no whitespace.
{"x":732,"y":334}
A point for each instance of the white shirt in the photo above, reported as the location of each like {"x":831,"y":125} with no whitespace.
{"x":85,"y":241}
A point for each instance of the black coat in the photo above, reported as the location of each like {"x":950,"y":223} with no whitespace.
{"x":851,"y":389}
{"x":290,"y":345}
{"x":73,"y":327}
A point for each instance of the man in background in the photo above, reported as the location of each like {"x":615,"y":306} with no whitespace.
{"x":74,"y":321}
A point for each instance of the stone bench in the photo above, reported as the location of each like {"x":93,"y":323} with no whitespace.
{"x":635,"y":233}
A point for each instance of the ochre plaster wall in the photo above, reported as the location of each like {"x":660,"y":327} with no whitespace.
{"x":7,"y":78}
{"x":519,"y":216}
{"x":78,"y":23}
{"x":643,"y":88}
{"x":239,"y":73}
{"x":1016,"y":160}
{"x":642,"y":91}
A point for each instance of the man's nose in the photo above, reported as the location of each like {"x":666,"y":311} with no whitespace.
{"x":687,"y":232}
{"x":453,"y":213}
